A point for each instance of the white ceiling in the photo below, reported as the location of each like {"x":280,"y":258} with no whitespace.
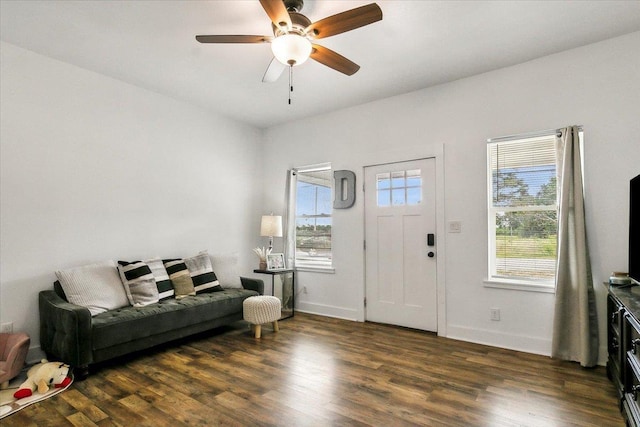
{"x":417,"y":44}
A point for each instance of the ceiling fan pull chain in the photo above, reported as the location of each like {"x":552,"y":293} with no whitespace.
{"x":290,"y":82}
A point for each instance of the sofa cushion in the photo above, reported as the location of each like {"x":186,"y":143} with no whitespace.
{"x":96,"y":286}
{"x":201,"y":272}
{"x":127,"y":324}
{"x":180,"y":278}
{"x":139,"y":283}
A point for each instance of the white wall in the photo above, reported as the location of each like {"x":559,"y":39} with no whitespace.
{"x":597,"y":86}
{"x":95,"y":169}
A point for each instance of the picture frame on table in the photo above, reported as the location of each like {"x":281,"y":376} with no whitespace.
{"x":275,"y":262}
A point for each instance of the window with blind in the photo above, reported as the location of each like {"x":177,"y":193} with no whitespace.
{"x":523,"y":219}
{"x":314,"y":204}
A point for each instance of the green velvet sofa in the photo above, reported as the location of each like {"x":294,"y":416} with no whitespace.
{"x":69,"y":334}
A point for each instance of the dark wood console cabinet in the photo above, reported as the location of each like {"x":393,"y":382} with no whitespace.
{"x":623,"y":342}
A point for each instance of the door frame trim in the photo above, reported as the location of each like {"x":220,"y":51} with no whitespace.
{"x":427,"y":151}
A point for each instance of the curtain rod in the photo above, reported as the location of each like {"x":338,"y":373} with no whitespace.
{"x":313,"y":168}
{"x":528,"y":135}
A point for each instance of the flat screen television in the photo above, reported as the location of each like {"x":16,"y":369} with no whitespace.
{"x":634,"y":230}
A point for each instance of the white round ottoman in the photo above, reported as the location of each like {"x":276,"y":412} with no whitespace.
{"x":261,"y":310}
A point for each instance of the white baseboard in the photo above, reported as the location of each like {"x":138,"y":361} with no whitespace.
{"x":499,"y":339}
{"x":512,"y":342}
{"x":328,"y":310}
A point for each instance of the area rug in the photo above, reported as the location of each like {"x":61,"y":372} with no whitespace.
{"x":10,"y":405}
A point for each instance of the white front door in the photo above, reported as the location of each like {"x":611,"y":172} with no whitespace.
{"x":400,"y":214}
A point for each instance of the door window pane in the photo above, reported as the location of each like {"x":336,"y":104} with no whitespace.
{"x":384,"y":197}
{"x":397,"y":179}
{"x":414,"y":196}
{"x":397,"y":197}
{"x":383,"y":181}
{"x":413,"y":178}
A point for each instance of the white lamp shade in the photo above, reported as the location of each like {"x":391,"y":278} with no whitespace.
{"x":271,"y":226}
{"x":291,"y":49}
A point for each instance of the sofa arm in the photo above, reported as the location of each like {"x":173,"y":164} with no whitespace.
{"x":65,"y":330}
{"x":253,"y":284}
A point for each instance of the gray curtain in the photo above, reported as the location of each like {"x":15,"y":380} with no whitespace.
{"x":289,"y":232}
{"x":289,"y":238}
{"x":575,"y":324}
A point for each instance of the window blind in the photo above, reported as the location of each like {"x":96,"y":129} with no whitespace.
{"x":521,"y":169}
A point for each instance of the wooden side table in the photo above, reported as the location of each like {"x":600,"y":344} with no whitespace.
{"x":283,"y":286}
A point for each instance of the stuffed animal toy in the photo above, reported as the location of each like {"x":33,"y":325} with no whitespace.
{"x":43,"y":375}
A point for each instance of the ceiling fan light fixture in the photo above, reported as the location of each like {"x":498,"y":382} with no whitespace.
{"x":291,"y":49}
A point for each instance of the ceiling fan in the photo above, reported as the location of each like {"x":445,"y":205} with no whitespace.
{"x":293,"y":37}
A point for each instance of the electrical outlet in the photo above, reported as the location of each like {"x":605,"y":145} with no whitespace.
{"x":494,"y":314}
{"x":6,"y":328}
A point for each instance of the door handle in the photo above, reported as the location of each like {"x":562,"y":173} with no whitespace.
{"x":431,"y":254}
{"x":431,"y":239}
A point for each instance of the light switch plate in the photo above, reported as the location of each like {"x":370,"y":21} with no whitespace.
{"x":455,"y":226}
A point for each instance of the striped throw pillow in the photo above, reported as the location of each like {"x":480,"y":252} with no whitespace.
{"x":138,"y":282}
{"x":201,"y":272}
{"x":180,"y":278}
{"x":163,"y":283}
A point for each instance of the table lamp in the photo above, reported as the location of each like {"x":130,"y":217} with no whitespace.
{"x":271,"y":226}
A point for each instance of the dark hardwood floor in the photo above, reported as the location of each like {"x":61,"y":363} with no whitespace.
{"x":319,"y":371}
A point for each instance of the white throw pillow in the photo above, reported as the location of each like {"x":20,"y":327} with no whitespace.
{"x":227,"y":270}
{"x":97,"y":287}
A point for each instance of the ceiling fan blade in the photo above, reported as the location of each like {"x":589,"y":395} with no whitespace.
{"x":277,"y":12}
{"x":233,"y":39}
{"x":333,"y":60}
{"x":274,"y":71}
{"x":345,"y":21}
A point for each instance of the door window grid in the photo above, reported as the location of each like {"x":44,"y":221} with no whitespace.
{"x":399,"y":188}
